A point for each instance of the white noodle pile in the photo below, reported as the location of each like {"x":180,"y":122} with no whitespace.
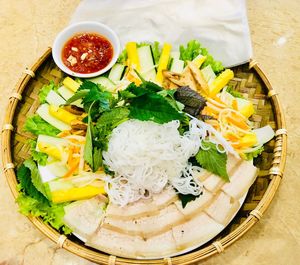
{"x":145,"y":156}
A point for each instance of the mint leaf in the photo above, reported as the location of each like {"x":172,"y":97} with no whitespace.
{"x":212,"y":160}
{"x":37,"y":125}
{"x":153,"y":107}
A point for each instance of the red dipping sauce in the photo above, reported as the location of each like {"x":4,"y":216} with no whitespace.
{"x":87,"y":53}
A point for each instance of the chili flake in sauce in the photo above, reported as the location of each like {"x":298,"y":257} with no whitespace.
{"x":87,"y":53}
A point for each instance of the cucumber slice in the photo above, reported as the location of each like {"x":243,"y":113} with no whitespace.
{"x":67,"y":93}
{"x":177,"y":66}
{"x":43,"y":111}
{"x":148,"y":71}
{"x":208,"y":74}
{"x":52,"y":171}
{"x":105,"y":82}
{"x":56,"y":141}
{"x":116,"y":72}
{"x":54,"y":99}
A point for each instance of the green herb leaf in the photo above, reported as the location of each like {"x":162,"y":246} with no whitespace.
{"x":88,"y":147}
{"x":153,"y":107}
{"x":78,"y":95}
{"x":35,"y":176}
{"x":37,"y":125}
{"x":26,"y":185}
{"x":212,"y":160}
{"x":186,"y":198}
{"x":39,"y":157}
{"x":45,"y":91}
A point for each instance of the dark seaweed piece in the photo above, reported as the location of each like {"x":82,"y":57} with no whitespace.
{"x":192,"y":101}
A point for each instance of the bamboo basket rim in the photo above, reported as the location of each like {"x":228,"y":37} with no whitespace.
{"x":276,"y":174}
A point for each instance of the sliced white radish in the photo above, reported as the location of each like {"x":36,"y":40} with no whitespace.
{"x":55,"y":99}
{"x":264,"y":134}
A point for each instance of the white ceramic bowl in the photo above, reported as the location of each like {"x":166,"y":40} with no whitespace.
{"x":84,"y":27}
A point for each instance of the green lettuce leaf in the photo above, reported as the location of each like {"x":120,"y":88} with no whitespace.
{"x":156,"y":52}
{"x":254,"y":154}
{"x":37,"y":125}
{"x":212,"y":160}
{"x":39,"y":157}
{"x":193,"y":49}
{"x":52,"y":214}
{"x":45,"y":90}
{"x":122,"y":57}
{"x":32,"y":202}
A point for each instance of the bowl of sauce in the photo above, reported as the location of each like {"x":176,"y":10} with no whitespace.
{"x":86,"y":49}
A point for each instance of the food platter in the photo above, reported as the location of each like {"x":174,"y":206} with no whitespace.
{"x":249,"y":79}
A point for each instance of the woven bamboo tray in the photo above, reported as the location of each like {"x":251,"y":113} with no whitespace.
{"x":249,"y":80}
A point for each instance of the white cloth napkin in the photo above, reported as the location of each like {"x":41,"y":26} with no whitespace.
{"x":221,"y":26}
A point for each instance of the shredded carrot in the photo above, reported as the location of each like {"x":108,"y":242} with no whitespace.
{"x":239,"y":123}
{"x":234,"y":104}
{"x":72,"y":169}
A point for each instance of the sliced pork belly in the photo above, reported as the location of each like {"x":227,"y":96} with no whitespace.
{"x":213,"y":183}
{"x":146,"y":227}
{"x":115,"y":243}
{"x":143,"y":207}
{"x":196,"y":231}
{"x":84,"y":217}
{"x":196,"y":206}
{"x":132,"y":246}
{"x":158,"y":246}
{"x":241,"y":180}
{"x":223,"y":208}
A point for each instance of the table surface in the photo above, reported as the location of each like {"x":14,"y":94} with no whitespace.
{"x":28,"y":27}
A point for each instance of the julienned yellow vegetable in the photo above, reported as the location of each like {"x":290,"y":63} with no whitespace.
{"x":199,"y":60}
{"x":80,"y":193}
{"x":163,"y":61}
{"x":61,"y":114}
{"x":49,"y":150}
{"x":133,"y":58}
{"x":71,"y":84}
{"x":220,"y":81}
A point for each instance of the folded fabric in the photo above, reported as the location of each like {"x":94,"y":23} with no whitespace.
{"x":221,"y":26}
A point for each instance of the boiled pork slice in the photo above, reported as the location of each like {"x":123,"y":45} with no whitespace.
{"x":84,"y":216}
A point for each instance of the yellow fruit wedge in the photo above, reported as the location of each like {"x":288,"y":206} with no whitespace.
{"x":245,"y":107}
{"x":133,"y":58}
{"x":49,"y":150}
{"x":247,"y":141}
{"x":73,"y":194}
{"x":163,"y":61}
{"x":199,"y":60}
{"x":61,"y":114}
{"x":220,"y":81}
{"x":71,"y":84}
